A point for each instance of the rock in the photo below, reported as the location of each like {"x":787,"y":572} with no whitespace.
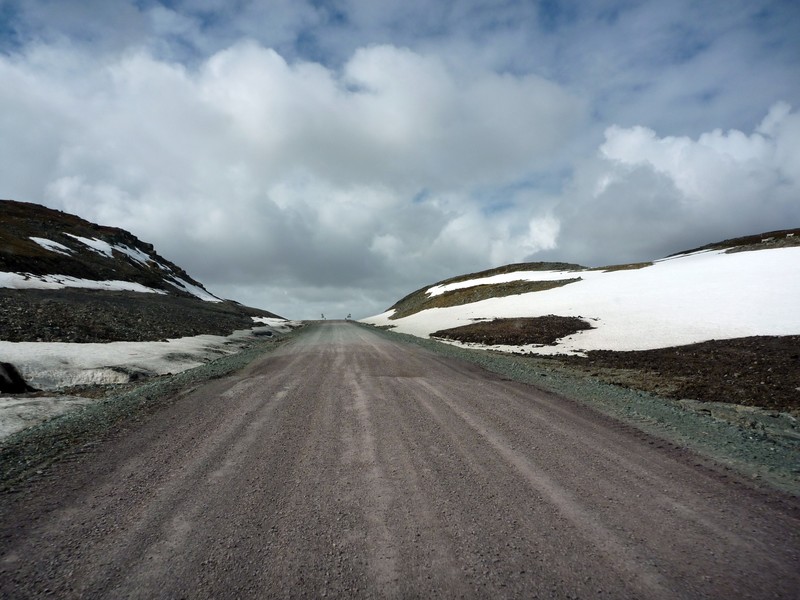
{"x":11,"y":382}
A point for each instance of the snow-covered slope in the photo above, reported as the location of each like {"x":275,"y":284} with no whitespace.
{"x":56,"y":365}
{"x":710,"y":294}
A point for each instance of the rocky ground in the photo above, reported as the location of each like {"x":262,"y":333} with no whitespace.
{"x":75,"y":315}
{"x":757,"y":371}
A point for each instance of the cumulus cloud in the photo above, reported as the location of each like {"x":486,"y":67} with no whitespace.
{"x":314,"y":157}
{"x":275,"y":166}
{"x":720,"y":171}
{"x":662,"y":194}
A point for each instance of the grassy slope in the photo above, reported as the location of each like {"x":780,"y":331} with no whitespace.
{"x":419,"y":300}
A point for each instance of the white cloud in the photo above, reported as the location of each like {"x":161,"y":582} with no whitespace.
{"x":661,"y":194}
{"x":252,"y":160}
{"x":341,"y":150}
{"x":719,"y":168}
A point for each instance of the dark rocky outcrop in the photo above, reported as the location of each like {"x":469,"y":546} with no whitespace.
{"x":11,"y":382}
{"x":21,"y":221}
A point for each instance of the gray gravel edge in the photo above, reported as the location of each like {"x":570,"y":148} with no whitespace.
{"x":761,"y":454}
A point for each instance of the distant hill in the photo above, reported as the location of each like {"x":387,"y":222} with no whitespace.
{"x":63,"y":278}
{"x":746,"y":286}
{"x":719,"y":324}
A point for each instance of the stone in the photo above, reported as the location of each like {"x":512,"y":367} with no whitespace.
{"x":11,"y":382}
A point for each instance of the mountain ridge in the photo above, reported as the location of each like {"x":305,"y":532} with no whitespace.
{"x":41,"y":241}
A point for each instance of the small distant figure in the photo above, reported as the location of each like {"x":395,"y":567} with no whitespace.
{"x":348,"y":317}
{"x":323,"y":316}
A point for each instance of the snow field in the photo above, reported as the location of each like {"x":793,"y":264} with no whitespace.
{"x":52,"y":366}
{"x":681,"y":300}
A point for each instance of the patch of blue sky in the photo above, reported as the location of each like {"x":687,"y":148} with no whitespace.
{"x":496,"y":200}
{"x":307,"y":47}
{"x":707,"y":96}
{"x":495,"y":207}
{"x":543,"y":183}
{"x":332,"y":13}
{"x":686,"y":44}
{"x":9,"y":35}
{"x":143,"y":5}
{"x":421,"y":196}
{"x":555,"y":14}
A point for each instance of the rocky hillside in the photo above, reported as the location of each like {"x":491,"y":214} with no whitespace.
{"x":65,"y":279}
{"x":48,"y":246}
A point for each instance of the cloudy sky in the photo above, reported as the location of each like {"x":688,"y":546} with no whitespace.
{"x":311,"y":156}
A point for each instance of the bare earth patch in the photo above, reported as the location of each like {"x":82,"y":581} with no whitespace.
{"x":753,"y":371}
{"x":762,"y":371}
{"x":515,"y":332}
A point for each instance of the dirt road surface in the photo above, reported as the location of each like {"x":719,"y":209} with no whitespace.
{"x":348,"y":465}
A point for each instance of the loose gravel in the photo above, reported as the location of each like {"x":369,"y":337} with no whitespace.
{"x":26,"y":454}
{"x":350,"y":465}
{"x":84,"y":316}
{"x":762,"y":444}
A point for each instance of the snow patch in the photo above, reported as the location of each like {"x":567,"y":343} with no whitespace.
{"x":192,"y":289}
{"x":107,"y":250}
{"x":20,"y":412}
{"x":57,"y":365}
{"x":54,"y":365}
{"x":505,"y":278}
{"x":26,"y":281}
{"x":95,"y":245}
{"x":136,"y":255}
{"x":52,"y":246}
{"x":280,"y":325}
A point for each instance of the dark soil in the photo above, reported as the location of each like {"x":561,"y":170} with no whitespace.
{"x":755,"y":371}
{"x":536,"y":330}
{"x":75,"y":315}
{"x":761,"y":371}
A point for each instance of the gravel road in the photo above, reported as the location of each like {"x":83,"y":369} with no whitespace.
{"x":346,"y":464}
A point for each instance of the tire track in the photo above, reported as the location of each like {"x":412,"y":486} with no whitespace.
{"x":348,"y":465}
